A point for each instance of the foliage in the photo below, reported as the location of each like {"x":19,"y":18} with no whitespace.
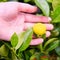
{"x":19,"y":49}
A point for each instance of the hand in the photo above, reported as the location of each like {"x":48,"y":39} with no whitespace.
{"x":13,"y":18}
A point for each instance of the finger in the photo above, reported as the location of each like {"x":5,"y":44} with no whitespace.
{"x":27,"y":8}
{"x":36,"y":41}
{"x":39,"y":40}
{"x":48,"y":33}
{"x":34,"y":18}
{"x":48,"y":26}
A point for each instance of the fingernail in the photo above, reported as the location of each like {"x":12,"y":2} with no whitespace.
{"x":49,"y":18}
{"x":48,"y":33}
{"x":52,"y":27}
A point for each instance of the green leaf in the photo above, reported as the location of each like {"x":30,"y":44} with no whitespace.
{"x":14,"y":57}
{"x":14,"y":39}
{"x":58,"y":50}
{"x":21,"y":55}
{"x":27,"y":39}
{"x":43,"y":5}
{"x":3,"y":0}
{"x":8,"y":44}
{"x":1,"y":43}
{"x":4,"y":51}
{"x":53,"y":45}
{"x":50,"y":1}
{"x":56,"y":20}
{"x":49,"y":41}
{"x":55,"y":4}
{"x":56,"y":15}
{"x":56,"y":31}
{"x":56,"y":12}
{"x":27,"y":57}
{"x":21,"y":39}
{"x":35,"y":56}
{"x":27,"y":0}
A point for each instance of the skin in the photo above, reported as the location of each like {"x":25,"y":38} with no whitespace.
{"x":17,"y":17}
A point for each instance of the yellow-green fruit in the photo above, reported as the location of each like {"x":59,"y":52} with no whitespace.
{"x":39,"y":28}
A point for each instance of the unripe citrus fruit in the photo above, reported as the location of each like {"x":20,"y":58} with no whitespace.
{"x":39,"y":28}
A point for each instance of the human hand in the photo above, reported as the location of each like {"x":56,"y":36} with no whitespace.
{"x":14,"y":19}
